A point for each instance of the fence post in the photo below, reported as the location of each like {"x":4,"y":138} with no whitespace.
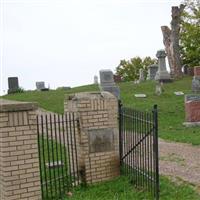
{"x":155,"y":147}
{"x":120,"y":131}
{"x":19,"y":164}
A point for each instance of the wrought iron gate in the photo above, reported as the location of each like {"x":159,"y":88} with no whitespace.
{"x":138,"y":132}
{"x":58,"y":144}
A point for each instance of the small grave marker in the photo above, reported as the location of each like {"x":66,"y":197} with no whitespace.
{"x":179,"y":93}
{"x":140,"y":95}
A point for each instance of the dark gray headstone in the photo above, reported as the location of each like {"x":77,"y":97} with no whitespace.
{"x":40,"y":85}
{"x":152,"y":70}
{"x":101,"y":140}
{"x":107,"y":83}
{"x":106,"y":77}
{"x":13,"y":84}
{"x":196,"y":84}
{"x":192,"y":97}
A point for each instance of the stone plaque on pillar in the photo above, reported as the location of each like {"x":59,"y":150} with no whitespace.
{"x":101,"y":140}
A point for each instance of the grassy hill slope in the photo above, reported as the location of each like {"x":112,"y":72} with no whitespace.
{"x":171,"y":107}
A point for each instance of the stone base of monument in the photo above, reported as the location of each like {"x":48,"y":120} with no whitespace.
{"x":163,"y":76}
{"x":112,"y":89}
{"x":191,"y":124}
{"x":10,"y":91}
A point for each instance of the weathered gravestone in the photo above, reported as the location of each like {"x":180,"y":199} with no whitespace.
{"x":185,"y":69}
{"x":40,"y":85}
{"x":107,"y":83}
{"x":95,"y":79}
{"x":152,"y":70}
{"x":141,"y":75}
{"x":162,"y":74}
{"x":13,"y":84}
{"x":196,"y":80}
{"x":159,"y":88}
{"x":192,"y":110}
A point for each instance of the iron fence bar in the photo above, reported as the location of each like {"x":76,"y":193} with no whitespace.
{"x":52,"y":151}
{"x":64,"y":142}
{"x":61,"y":152}
{"x":138,"y":143}
{"x":145,"y":150}
{"x":151,"y":156}
{"x":136,"y":148}
{"x":74,"y":132}
{"x":68,"y":148}
{"x":44,"y":159}
{"x":48,"y":150}
{"x":120,"y":131}
{"x":142,"y":120}
{"x":155,"y":117}
{"x":132,"y":142}
{"x":40,"y":162}
{"x":140,"y":147}
{"x":71,"y":140}
{"x":57,"y":155}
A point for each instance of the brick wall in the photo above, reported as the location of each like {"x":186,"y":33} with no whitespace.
{"x":19,"y":164}
{"x":99,"y":142}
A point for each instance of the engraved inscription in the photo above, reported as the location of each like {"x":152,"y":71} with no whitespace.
{"x":101,"y":140}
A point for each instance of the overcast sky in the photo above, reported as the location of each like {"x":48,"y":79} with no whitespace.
{"x":67,"y":42}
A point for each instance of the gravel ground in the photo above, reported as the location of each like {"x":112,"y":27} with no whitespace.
{"x":180,"y":160}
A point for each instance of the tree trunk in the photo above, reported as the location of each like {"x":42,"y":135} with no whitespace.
{"x":171,"y":41}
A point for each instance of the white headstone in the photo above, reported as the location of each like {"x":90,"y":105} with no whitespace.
{"x":95,"y":79}
{"x":141,"y":75}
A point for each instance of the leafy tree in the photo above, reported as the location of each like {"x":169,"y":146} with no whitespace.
{"x":190,"y":33}
{"x":129,"y":69}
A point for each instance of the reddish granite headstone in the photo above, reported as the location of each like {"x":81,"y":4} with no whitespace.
{"x":192,"y":108}
{"x":117,"y":78}
{"x":197,"y":71}
{"x":190,"y":71}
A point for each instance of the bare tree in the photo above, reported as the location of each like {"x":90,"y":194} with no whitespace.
{"x":171,"y":41}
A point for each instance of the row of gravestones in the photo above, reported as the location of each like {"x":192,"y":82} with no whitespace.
{"x":13,"y":85}
{"x":192,"y":101}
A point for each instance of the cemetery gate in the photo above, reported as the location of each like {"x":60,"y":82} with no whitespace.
{"x":138,"y":137}
{"x":57,"y":142}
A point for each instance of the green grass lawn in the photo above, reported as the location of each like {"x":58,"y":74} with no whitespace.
{"x":121,"y":189}
{"x":171,"y":107}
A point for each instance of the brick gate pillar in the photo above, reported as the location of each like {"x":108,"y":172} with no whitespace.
{"x":19,"y":164}
{"x":99,"y":138}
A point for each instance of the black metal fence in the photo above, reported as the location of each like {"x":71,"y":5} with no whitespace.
{"x":57,"y":141}
{"x":138,"y":132}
